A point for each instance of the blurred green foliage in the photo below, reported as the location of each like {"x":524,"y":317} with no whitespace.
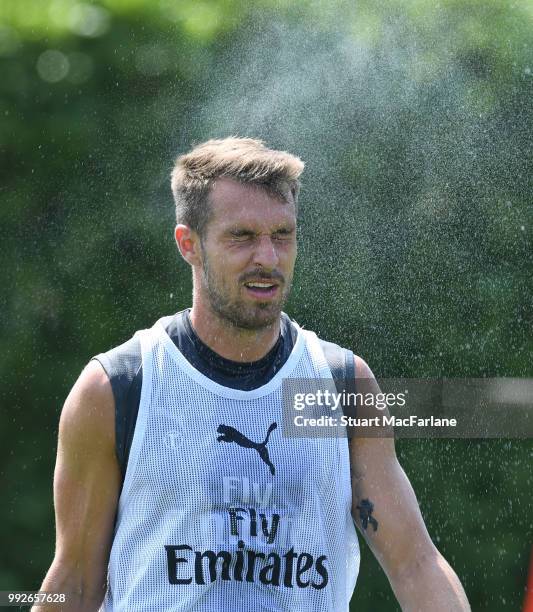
{"x":414,"y":118}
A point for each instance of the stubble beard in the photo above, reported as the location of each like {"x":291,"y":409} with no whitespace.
{"x":237,"y":313}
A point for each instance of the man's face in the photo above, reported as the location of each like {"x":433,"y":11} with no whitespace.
{"x":248,"y":254}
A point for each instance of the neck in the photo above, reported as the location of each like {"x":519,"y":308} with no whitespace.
{"x":229,"y":341}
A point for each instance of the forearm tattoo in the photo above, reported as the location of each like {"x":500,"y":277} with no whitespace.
{"x":365,"y":508}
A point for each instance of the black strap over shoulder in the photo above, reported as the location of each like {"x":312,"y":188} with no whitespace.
{"x":342,"y":365}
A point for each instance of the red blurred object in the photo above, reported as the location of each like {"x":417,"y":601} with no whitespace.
{"x":528,"y":600}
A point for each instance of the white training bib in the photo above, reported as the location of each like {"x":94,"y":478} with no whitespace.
{"x":219,"y":511}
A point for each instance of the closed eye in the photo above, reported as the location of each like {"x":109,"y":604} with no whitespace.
{"x":242,"y":235}
{"x":283,"y":234}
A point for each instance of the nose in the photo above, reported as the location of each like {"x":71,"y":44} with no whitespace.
{"x":265,"y":254}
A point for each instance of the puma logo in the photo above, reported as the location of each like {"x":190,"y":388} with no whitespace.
{"x":229,"y":434}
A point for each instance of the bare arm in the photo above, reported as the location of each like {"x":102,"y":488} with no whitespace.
{"x":395,"y":531}
{"x":86,"y":486}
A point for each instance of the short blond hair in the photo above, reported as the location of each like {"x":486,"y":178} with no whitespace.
{"x":246,"y":160}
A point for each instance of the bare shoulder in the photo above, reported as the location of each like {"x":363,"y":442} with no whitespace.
{"x":89,"y":410}
{"x":93,"y":383}
{"x":365,"y":379}
{"x":362,"y":369}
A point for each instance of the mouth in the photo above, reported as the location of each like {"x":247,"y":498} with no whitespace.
{"x":262,"y":288}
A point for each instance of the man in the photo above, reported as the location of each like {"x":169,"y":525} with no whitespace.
{"x":174,"y":487}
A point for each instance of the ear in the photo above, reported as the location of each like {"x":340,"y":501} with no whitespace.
{"x":188,"y":243}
